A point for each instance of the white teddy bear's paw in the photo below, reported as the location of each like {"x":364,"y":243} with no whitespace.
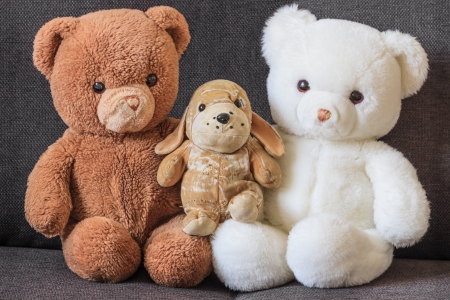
{"x":249,"y":257}
{"x":326,"y":251}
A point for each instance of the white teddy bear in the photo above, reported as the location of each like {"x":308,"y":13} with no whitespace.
{"x":346,"y":199}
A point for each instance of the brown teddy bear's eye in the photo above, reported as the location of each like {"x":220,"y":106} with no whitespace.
{"x":356,"y":97}
{"x":238,"y":103}
{"x":201,"y":107}
{"x":151,"y":80}
{"x":303,"y":86}
{"x":98,"y":87}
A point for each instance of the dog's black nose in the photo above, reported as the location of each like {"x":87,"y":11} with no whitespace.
{"x":223,"y":118}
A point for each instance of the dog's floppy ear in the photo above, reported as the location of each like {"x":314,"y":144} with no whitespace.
{"x":267,"y":136}
{"x":175,"y":139}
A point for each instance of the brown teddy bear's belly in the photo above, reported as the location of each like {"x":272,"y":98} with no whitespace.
{"x":118,"y":180}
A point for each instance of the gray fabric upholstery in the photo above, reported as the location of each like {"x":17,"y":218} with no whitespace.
{"x":225,"y":44}
{"x":29,"y":273}
{"x":43,"y":274}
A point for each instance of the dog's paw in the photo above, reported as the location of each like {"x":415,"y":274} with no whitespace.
{"x":244,"y":208}
{"x":198,"y":225}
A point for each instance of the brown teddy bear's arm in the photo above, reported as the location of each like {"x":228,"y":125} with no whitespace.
{"x":174,"y":165}
{"x":264,"y":167}
{"x":47,"y":201}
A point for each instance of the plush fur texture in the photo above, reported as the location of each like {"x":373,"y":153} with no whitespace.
{"x":96,"y":186}
{"x":221,"y":162}
{"x":250,"y":257}
{"x":346,"y":199}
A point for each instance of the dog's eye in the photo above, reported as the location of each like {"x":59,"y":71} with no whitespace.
{"x":99,"y":87}
{"x":238,"y":103}
{"x":356,"y":97}
{"x":151,"y":80}
{"x":303,"y":86}
{"x":201,"y":107}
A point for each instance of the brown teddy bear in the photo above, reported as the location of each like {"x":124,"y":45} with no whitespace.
{"x":221,"y":161}
{"x":114,"y":78}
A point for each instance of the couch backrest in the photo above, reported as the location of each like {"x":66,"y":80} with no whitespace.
{"x":225,"y":44}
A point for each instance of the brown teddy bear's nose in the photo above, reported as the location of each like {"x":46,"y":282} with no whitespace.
{"x":133,"y":102}
{"x":223,"y":118}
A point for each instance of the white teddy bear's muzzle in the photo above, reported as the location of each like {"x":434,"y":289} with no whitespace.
{"x":326,"y":115}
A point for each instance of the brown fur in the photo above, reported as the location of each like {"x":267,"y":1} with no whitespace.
{"x":97,"y":188}
{"x":221,"y":162}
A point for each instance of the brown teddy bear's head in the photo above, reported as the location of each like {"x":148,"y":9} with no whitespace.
{"x":113,"y":70}
{"x":219,"y":118}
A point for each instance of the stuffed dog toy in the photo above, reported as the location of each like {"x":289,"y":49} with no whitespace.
{"x":221,"y":160}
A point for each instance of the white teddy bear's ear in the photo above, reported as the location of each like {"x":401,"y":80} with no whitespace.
{"x":412,"y":59}
{"x":285,"y":19}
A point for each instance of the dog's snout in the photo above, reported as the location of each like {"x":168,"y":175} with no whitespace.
{"x":133,"y":102}
{"x":223,"y":118}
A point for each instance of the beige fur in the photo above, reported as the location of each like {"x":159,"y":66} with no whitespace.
{"x":222,"y":163}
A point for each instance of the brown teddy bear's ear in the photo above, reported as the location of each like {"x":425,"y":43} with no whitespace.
{"x":175,"y":139}
{"x":47,"y":41}
{"x":172,"y":21}
{"x":267,"y":136}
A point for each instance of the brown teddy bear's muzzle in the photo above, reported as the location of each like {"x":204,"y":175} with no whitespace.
{"x":126,"y":109}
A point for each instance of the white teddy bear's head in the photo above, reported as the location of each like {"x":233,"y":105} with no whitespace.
{"x":336,"y":79}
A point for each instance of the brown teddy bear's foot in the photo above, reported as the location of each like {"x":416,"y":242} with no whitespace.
{"x":176,"y":259}
{"x":198,"y":223}
{"x":244,"y":208}
{"x":101,"y":249}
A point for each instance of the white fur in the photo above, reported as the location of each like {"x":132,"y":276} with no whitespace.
{"x":345,"y":199}
{"x":326,"y":251}
{"x":412,"y":59}
{"x":249,"y":257}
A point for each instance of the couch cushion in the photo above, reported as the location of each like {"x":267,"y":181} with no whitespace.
{"x":29,"y":273}
{"x":225,"y":44}
{"x":42,"y":274}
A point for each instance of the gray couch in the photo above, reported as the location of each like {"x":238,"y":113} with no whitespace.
{"x":225,"y":44}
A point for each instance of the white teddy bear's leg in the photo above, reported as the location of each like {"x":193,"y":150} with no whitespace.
{"x":326,"y":251}
{"x":249,"y":257}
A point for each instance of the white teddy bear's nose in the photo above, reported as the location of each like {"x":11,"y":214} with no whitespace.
{"x":323,"y":115}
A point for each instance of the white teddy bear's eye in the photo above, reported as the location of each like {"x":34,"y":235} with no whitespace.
{"x":356,"y":97}
{"x":303,"y":86}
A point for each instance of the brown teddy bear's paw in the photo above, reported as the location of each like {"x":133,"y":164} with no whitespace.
{"x":100,"y":249}
{"x":196,"y":223}
{"x":244,"y":208}
{"x":175,"y":259}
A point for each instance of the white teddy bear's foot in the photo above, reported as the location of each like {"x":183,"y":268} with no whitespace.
{"x":326,"y":251}
{"x":249,"y":257}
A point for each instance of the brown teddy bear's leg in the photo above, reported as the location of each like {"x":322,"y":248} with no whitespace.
{"x":101,"y":249}
{"x":176,"y":259}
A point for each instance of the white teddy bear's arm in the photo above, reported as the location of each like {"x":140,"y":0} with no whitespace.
{"x":401,"y":210}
